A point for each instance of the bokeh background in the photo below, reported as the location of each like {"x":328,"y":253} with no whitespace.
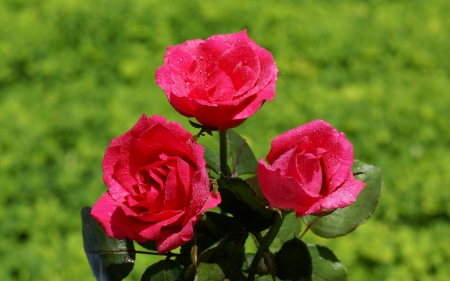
{"x":76,"y":73}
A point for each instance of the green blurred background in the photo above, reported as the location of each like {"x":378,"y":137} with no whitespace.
{"x":76,"y":73}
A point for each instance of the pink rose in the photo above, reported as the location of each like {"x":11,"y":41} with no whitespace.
{"x":158,"y":185}
{"x":310,"y":170}
{"x":221,"y":81}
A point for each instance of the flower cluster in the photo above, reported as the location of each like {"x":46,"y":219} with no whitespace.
{"x":159,"y":181}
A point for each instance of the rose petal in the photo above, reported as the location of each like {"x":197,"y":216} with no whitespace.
{"x":221,"y":93}
{"x":112,"y":218}
{"x":169,"y":239}
{"x":199,"y":194}
{"x":338,"y":175}
{"x":117,"y":186}
{"x":283,"y":192}
{"x":344,"y":195}
{"x":175,"y":190}
{"x":266,"y":79}
{"x":242,"y":65}
{"x":163,"y":78}
{"x":168,"y":144}
{"x":181,"y":57}
{"x":254,"y":102}
{"x":153,"y":223}
{"x":310,"y":172}
{"x":316,"y":131}
{"x":177,"y":60}
{"x":207,"y":57}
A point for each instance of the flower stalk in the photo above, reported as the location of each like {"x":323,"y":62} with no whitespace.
{"x":174,"y":196}
{"x":265,"y":243}
{"x":223,"y":153}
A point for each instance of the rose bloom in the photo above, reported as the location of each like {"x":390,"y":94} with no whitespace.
{"x":220,"y":81}
{"x":158,"y":185}
{"x":310,"y":170}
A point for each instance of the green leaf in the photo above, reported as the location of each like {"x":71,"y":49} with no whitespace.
{"x":293,"y":261}
{"x":290,"y":228}
{"x":325,"y":265}
{"x":209,"y":272}
{"x":212,"y":160}
{"x":239,"y":200}
{"x":265,"y":266}
{"x":165,"y":270}
{"x":218,"y":272}
{"x":110,"y":259}
{"x":226,"y":249}
{"x":207,"y":253}
{"x":202,"y":242}
{"x":234,"y":274}
{"x":214,"y":229}
{"x":242,"y":159}
{"x":266,"y":278}
{"x":253,"y":182}
{"x":229,"y":255}
{"x":220,"y":224}
{"x":343,"y":221}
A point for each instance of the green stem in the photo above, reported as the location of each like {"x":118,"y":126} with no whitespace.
{"x":308,"y":227}
{"x":169,"y":254}
{"x":223,"y":153}
{"x":266,"y":242}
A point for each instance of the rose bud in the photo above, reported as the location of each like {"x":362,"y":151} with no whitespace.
{"x":309,"y":170}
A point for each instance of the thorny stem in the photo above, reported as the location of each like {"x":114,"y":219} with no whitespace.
{"x":265,"y":243}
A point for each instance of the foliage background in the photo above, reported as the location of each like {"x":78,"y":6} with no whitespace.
{"x":76,"y":73}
